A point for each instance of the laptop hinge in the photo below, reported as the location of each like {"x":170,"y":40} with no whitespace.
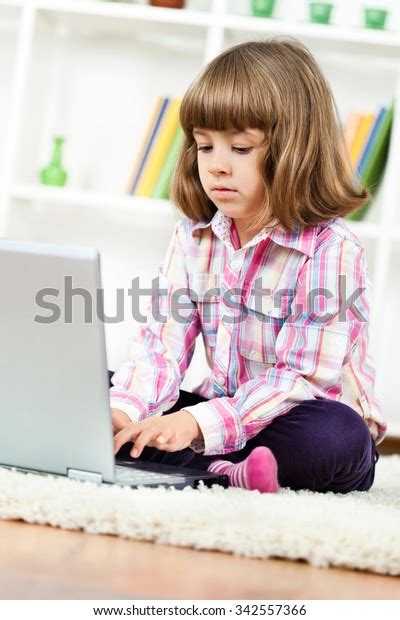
{"x":79,"y":474}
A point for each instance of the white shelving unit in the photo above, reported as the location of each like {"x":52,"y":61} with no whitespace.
{"x":90,"y":70}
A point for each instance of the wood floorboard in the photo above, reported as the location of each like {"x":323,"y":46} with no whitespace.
{"x":42,"y":562}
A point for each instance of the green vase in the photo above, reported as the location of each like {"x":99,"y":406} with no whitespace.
{"x":320,"y":12}
{"x":54,"y":174}
{"x":263,"y":8}
{"x":375,"y":18}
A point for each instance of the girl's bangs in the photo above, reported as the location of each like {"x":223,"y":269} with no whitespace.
{"x":219,"y":103}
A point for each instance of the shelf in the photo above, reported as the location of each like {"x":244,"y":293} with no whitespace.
{"x":163,"y":208}
{"x":182,"y":31}
{"x":358,"y":38}
{"x":127,"y":11}
{"x":381,"y":41}
{"x":77,"y":198}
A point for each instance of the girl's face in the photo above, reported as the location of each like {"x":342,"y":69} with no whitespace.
{"x":230,"y":172}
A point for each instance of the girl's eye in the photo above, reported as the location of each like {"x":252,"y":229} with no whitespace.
{"x":239,"y":149}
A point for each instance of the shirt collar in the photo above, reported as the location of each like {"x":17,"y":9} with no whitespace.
{"x":301,"y":239}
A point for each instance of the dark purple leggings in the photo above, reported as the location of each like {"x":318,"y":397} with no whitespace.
{"x":320,"y":445}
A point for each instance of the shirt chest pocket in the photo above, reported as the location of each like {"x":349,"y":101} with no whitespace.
{"x":263,"y":319}
{"x":204,"y":291}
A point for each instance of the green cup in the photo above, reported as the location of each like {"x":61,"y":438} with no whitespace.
{"x":375,"y":18}
{"x":320,"y":12}
{"x":263,"y":8}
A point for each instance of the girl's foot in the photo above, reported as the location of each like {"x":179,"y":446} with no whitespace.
{"x":259,"y":471}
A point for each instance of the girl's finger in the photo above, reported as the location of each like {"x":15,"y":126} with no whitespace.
{"x":145,"y":438}
{"x":129,"y":433}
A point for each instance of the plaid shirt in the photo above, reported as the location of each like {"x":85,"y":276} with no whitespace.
{"x":283,"y":319}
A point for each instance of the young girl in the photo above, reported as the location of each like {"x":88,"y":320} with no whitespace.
{"x":268,"y":272}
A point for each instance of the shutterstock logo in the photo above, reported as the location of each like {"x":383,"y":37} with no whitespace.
{"x":182,"y":304}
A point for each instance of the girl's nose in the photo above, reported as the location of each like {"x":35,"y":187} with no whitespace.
{"x":219,"y":164}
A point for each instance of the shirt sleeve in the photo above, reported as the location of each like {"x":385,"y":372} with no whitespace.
{"x":328,"y":313}
{"x":161,"y":350}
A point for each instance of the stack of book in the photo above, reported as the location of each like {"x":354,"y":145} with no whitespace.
{"x":367,"y":138}
{"x":155,"y":164}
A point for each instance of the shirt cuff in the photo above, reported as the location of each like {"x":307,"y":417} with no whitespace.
{"x":128,"y":403}
{"x":133,"y":407}
{"x":212,"y":427}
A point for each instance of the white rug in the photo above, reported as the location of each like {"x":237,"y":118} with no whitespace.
{"x":358,"y":530}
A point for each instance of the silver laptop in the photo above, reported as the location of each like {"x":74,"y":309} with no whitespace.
{"x":54,"y":393}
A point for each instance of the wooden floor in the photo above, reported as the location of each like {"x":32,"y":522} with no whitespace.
{"x":41,"y":562}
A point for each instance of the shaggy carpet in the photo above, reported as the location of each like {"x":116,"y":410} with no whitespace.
{"x":359,"y":530}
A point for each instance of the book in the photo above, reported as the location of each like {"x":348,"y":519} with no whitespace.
{"x":374,"y":164}
{"x":350,"y":128}
{"x":162,"y":185}
{"x":360,"y":138}
{"x":140,"y":157}
{"x":371,"y":141}
{"x":159,"y":108}
{"x":162,"y":144}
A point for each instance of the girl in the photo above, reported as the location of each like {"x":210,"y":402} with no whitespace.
{"x":268,"y":272}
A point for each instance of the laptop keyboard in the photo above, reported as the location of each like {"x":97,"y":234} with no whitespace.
{"x":142,"y":476}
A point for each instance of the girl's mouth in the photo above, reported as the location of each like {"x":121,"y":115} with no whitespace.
{"x":221,"y":192}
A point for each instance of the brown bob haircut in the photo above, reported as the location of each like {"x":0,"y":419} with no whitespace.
{"x":278,"y":87}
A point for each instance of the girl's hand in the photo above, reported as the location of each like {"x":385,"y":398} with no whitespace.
{"x":172,"y":432}
{"x":119,"y":420}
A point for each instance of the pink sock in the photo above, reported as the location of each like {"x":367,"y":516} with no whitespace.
{"x":258,"y":471}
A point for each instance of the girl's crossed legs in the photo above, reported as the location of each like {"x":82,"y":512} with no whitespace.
{"x":320,"y":445}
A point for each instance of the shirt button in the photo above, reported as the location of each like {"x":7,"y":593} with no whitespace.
{"x":220,"y":380}
{"x":235,"y":265}
{"x":339,"y":340}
